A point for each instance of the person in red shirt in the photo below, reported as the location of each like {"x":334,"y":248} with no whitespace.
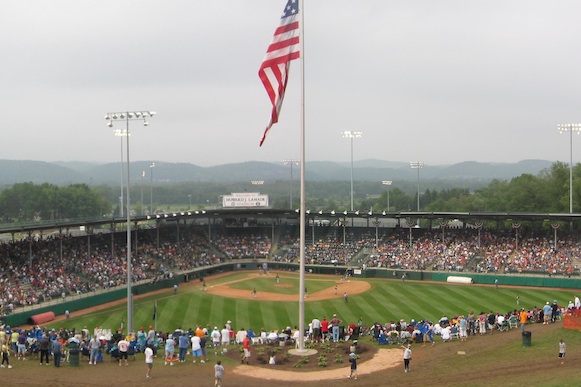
{"x":247,"y":349}
{"x":324,"y":329}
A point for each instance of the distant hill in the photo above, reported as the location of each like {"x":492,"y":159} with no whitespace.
{"x":64,"y":173}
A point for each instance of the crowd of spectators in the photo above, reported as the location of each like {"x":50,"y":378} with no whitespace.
{"x":54,"y":267}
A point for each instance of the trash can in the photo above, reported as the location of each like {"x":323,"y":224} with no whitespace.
{"x":527,"y":338}
{"x":73,"y":354}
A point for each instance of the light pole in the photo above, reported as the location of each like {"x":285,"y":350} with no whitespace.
{"x":128,"y":116}
{"x":190,"y":198}
{"x":291,"y":163}
{"x":417,"y":165}
{"x":387,"y":183}
{"x":570,"y":128}
{"x":121,"y":133}
{"x":351,"y":135}
{"x":151,"y":166}
{"x":142,"y":177}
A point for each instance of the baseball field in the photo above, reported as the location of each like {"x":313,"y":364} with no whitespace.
{"x":482,"y":360}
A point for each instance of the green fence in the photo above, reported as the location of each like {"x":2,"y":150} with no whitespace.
{"x":514,"y":280}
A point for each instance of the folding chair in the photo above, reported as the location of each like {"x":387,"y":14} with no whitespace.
{"x":454,"y":334}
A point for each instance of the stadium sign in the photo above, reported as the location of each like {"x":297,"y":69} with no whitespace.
{"x":245,"y":199}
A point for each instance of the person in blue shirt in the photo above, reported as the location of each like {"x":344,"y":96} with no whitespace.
{"x":547,"y":311}
{"x":169,"y":350}
{"x":183,"y":345}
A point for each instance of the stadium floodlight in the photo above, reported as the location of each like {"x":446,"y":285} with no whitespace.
{"x":351,"y":135}
{"x":417,"y":165}
{"x":387,"y":183}
{"x":562,"y":128}
{"x":291,"y":162}
{"x":126,"y":116}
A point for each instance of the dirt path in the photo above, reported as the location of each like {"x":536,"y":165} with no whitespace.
{"x":383,"y":359}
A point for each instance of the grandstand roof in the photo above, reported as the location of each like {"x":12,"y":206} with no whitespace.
{"x":265,"y":213}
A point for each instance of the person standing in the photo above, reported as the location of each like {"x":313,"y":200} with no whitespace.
{"x":43,"y":346}
{"x":196,"y":348}
{"x":67,"y":314}
{"x":547,"y":311}
{"x":429,"y":335}
{"x":335,"y":289}
{"x":184,"y":344}
{"x":169,"y":350}
{"x":225,"y":332}
{"x":216,"y":336}
{"x":6,"y":356}
{"x":345,"y":297}
{"x":471,"y":323}
{"x":324,"y":329}
{"x":407,"y":356}
{"x":463,"y":330}
{"x":150,"y":339}
{"x":123,"y":346}
{"x":254,"y":292}
{"x":523,"y":317}
{"x":203,"y":344}
{"x":148,"y":360}
{"x":482,"y":323}
{"x":247,"y":350}
{"x":56,"y":348}
{"x":277,"y":279}
{"x":562,"y":350}
{"x":218,"y":373}
{"x":554,"y":311}
{"x":496,"y":283}
{"x":517,"y":300}
{"x":335,"y":322}
{"x":316,"y":325}
{"x":94,"y":345}
{"x":21,"y":345}
{"x":353,"y":361}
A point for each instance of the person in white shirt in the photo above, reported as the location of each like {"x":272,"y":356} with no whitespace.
{"x":225,"y":332}
{"x":148,"y":361}
{"x":196,"y":348}
{"x":273,"y":337}
{"x":123,"y":346}
{"x":240,"y":336}
{"x":216,"y":336}
{"x":316,"y":325}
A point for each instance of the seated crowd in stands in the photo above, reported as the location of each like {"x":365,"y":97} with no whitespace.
{"x":53,"y":267}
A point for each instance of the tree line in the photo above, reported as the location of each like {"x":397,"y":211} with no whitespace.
{"x":547,"y":192}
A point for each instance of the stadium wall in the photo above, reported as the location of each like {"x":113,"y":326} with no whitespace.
{"x":513,"y":280}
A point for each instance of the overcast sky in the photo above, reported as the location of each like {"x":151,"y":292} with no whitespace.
{"x":434,"y":81}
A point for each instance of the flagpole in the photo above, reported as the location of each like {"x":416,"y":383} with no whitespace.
{"x":302,"y":189}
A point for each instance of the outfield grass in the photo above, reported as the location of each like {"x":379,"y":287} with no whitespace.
{"x":387,"y":300}
{"x":498,"y":359}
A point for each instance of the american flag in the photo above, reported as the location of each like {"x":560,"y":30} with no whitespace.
{"x":274,"y":69}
